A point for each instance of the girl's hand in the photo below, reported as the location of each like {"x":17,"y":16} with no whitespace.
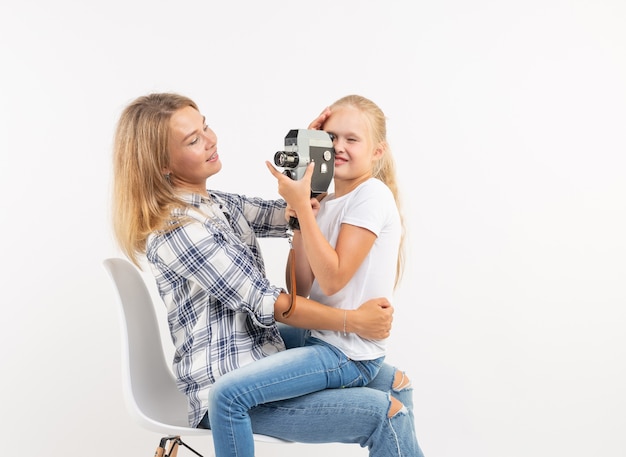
{"x":318,"y":123}
{"x":290,"y":212}
{"x":315,"y":206}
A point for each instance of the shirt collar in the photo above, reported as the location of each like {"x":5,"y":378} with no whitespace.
{"x":195,"y":199}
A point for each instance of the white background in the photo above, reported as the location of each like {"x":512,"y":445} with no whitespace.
{"x":507,"y":120}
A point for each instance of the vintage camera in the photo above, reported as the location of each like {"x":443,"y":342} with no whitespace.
{"x":303,"y":147}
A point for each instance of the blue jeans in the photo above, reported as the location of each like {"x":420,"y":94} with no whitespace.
{"x":263,"y":398}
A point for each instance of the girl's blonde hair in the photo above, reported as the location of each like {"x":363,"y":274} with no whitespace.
{"x":385,"y":168}
{"x":143,"y":198}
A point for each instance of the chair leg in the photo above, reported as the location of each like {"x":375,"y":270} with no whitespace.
{"x":175,"y":441}
{"x":160,"y":450}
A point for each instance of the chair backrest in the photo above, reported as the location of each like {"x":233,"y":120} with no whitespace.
{"x":149,"y":386}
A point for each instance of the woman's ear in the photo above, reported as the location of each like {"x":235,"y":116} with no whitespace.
{"x":167,"y":174}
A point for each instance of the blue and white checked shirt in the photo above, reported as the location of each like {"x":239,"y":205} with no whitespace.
{"x":211,"y":276}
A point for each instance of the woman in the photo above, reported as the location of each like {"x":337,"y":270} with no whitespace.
{"x":201,"y":246}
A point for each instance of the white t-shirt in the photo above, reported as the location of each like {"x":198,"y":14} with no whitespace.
{"x":371,"y":206}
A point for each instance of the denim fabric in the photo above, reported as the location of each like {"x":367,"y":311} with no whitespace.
{"x":288,"y":374}
{"x":354,"y":415}
{"x":292,"y":336}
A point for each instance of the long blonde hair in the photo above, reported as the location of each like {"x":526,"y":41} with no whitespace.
{"x":385,"y":168}
{"x":143,"y":198}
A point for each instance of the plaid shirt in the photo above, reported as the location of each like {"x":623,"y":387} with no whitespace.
{"x":211,"y":276}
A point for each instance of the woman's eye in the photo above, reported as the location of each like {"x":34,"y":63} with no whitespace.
{"x":194,"y":141}
{"x":206,"y":126}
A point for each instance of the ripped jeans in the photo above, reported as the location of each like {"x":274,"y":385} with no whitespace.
{"x":354,"y":415}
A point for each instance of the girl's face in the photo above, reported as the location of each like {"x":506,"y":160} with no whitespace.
{"x":354,"y":150}
{"x":193,"y":151}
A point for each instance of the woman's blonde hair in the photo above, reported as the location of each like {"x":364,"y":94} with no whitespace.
{"x":143,"y":198}
{"x":385,"y":168}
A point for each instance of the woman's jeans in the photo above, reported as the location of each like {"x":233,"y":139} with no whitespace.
{"x":277,"y":384}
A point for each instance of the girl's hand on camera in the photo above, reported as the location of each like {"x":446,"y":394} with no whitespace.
{"x":318,"y":123}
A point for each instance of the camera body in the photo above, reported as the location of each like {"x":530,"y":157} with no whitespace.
{"x":303,"y":146}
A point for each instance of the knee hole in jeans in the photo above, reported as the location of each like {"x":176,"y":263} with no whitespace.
{"x":401,"y":381}
{"x":394,"y":407}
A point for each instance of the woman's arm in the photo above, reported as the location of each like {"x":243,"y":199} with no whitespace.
{"x":371,"y":320}
{"x":266,"y":218}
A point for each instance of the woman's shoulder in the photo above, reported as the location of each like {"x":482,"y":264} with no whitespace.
{"x":240,"y":201}
{"x":220,"y":195}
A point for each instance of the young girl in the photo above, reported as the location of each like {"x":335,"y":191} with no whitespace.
{"x":349,"y":253}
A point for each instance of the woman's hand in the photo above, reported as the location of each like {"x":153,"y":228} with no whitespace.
{"x":297,"y":194}
{"x":371,"y":320}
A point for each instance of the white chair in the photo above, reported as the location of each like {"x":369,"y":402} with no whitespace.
{"x":150,"y":391}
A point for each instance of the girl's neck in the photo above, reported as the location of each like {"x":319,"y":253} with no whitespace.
{"x":343,"y":187}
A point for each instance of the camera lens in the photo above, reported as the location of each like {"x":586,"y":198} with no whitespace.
{"x":286,"y":159}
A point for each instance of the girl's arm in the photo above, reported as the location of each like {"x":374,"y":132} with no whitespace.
{"x":332,"y":267}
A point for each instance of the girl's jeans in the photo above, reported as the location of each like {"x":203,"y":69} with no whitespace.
{"x":267,"y":397}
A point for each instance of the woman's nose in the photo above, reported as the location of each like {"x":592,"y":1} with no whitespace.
{"x":211,"y":139}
